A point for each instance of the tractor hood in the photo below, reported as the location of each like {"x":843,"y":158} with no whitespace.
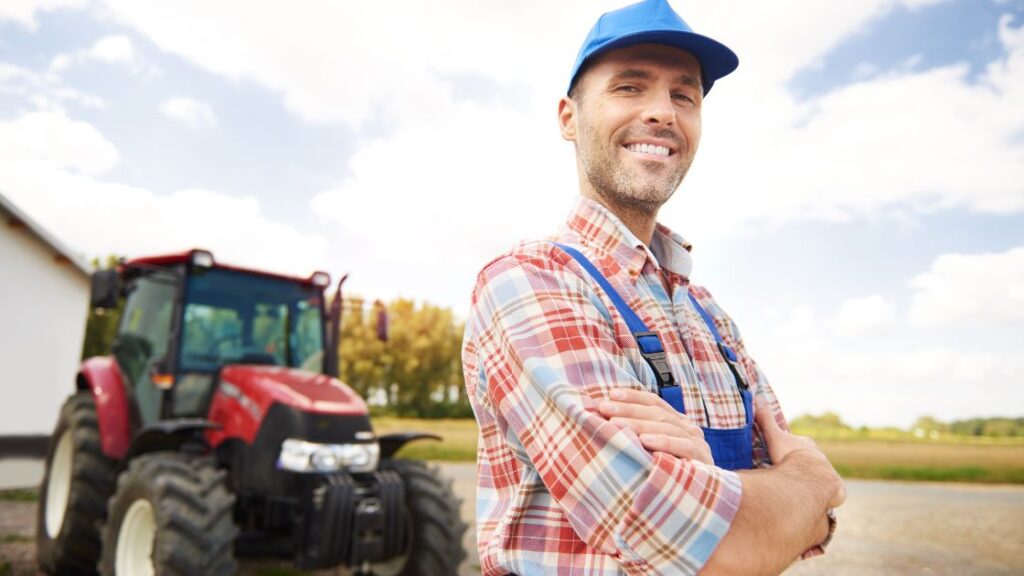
{"x":256,"y":388}
{"x":265,"y":405}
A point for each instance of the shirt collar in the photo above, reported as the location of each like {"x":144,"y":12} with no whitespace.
{"x":601,"y":230}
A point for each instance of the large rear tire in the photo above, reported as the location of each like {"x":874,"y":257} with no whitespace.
{"x":73,"y":497}
{"x":435,"y":544}
{"x":171,"y":516}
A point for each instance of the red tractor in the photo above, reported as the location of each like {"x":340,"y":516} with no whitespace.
{"x":218,"y":427}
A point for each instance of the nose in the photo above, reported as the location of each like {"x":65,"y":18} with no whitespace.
{"x":660,"y":110}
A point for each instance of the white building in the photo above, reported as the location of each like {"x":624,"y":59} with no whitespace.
{"x":44,"y":303}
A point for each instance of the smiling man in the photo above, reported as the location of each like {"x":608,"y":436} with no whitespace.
{"x":624,"y":428}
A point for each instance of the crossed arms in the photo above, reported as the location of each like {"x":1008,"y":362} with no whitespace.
{"x":637,"y":484}
{"x":783,"y":509}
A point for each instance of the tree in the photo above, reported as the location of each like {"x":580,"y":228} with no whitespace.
{"x":362,"y":357}
{"x":929,"y":424}
{"x":827,"y":421}
{"x":418,"y":371}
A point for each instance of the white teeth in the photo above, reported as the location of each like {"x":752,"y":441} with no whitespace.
{"x":648,"y":149}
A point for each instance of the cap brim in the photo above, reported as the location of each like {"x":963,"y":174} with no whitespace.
{"x":716,"y":59}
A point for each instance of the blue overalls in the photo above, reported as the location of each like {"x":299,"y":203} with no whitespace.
{"x":731,"y":449}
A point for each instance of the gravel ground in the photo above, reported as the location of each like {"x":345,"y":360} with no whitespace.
{"x":886,"y":528}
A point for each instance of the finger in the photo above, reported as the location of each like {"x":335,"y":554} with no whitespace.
{"x":611,"y":409}
{"x":648,"y":419}
{"x":644,"y":398}
{"x":678,"y":447}
{"x":635,"y":396}
{"x":765,"y":418}
{"x":640,"y":426}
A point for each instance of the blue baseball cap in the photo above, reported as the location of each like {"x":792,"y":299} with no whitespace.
{"x":654,"y":22}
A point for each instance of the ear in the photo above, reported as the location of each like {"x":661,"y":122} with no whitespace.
{"x":567,"y":118}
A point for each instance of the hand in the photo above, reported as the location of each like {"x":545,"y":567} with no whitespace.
{"x":783,"y":445}
{"x":661,"y":427}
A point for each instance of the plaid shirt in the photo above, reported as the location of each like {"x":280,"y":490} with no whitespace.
{"x":560,"y":489}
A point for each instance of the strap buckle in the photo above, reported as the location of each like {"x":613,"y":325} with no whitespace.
{"x":653,"y":352}
{"x":733,"y":362}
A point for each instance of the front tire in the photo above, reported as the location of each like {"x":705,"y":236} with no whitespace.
{"x":435,"y":542}
{"x":78,"y":481}
{"x":171,"y":516}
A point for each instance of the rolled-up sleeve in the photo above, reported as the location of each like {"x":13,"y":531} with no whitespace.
{"x":548,"y":352}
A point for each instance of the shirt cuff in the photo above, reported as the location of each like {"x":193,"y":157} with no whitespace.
{"x":819,"y":549}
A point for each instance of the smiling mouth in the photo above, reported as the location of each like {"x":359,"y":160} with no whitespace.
{"x":653,"y":149}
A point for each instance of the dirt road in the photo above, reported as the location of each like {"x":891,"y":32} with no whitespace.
{"x":886,"y":528}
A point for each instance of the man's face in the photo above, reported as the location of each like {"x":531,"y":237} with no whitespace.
{"x":636,"y":123}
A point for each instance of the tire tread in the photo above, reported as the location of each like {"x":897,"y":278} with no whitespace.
{"x":437,"y":525}
{"x":194,"y":508}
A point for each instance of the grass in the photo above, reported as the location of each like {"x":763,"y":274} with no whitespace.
{"x":882,"y":454}
{"x":903,"y":436}
{"x":941,"y":461}
{"x":20,"y":495}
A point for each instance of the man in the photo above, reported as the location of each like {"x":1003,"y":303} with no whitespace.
{"x":583,"y":352}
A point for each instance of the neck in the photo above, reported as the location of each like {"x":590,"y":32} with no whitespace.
{"x":639,"y":221}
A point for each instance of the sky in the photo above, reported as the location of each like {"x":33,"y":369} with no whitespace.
{"x":856,"y":204}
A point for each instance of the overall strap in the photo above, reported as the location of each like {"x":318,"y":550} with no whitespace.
{"x":730,"y":448}
{"x":725,"y":350}
{"x":648,"y":342}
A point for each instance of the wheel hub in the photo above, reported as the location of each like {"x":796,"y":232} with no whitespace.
{"x":135,"y":541}
{"x":58,"y":487}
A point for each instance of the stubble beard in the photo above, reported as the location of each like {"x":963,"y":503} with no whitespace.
{"x":626,"y":186}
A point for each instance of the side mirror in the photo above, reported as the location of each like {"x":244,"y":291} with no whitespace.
{"x":104,"y":289}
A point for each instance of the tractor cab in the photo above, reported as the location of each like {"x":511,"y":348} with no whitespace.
{"x":185,"y":318}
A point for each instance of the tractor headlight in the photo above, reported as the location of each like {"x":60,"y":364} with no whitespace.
{"x":301,"y":456}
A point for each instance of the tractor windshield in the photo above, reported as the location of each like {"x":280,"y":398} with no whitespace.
{"x":238,"y":317}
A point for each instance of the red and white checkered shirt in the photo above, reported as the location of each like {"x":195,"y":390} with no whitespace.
{"x":560,"y":489}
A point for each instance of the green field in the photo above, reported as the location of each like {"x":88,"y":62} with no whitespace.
{"x":882,"y":454}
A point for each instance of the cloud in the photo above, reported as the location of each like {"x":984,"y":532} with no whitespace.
{"x":54,"y":139}
{"x":48,"y":160}
{"x":886,"y":379}
{"x":353,"y":61}
{"x":115,"y":48}
{"x":863,"y":316}
{"x":11,"y":74}
{"x":842,"y":156}
{"x":111,"y":49}
{"x":24,"y":11}
{"x":440,"y":221}
{"x":192,"y":113}
{"x":970,"y":289}
{"x":885,"y":145}
{"x":43,"y":91}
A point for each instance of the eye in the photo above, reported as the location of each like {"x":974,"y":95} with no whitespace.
{"x":681,"y":97}
{"x":628,"y":88}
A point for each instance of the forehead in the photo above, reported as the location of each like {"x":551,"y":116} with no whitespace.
{"x":653,"y":57}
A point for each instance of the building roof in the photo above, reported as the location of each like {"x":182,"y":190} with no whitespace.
{"x":15,"y":218}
